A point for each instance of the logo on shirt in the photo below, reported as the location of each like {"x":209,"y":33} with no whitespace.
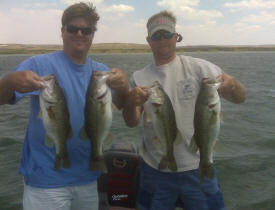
{"x":186,"y":89}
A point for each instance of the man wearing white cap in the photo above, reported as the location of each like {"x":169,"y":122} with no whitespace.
{"x":180,"y":77}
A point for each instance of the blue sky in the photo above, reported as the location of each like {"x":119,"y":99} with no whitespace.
{"x":201,"y":22}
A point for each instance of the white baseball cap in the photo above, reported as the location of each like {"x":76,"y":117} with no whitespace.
{"x":161,"y":23}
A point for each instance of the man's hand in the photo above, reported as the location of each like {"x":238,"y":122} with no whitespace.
{"x":20,"y":81}
{"x":231,"y":89}
{"x":118,"y":80}
{"x":133,"y":109}
{"x":138,"y":96}
{"x":24,"y":81}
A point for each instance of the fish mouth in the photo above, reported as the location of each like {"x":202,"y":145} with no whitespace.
{"x":211,"y":106}
{"x":156,"y":105}
{"x":216,"y":83}
{"x":102,"y":96}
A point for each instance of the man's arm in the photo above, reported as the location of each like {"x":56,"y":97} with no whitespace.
{"x":20,"y":81}
{"x":132,"y":111}
{"x":118,"y":81}
{"x":231,"y":89}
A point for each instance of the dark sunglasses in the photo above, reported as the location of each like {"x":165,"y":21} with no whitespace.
{"x":164,"y":34}
{"x":75,"y":29}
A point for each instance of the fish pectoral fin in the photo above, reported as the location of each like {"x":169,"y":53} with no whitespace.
{"x":178,"y":139}
{"x":83,"y":134}
{"x":193,"y":145}
{"x":50,"y":113}
{"x":48,"y":141}
{"x":214,"y":118}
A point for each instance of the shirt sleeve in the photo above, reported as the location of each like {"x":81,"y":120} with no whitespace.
{"x":208,"y":69}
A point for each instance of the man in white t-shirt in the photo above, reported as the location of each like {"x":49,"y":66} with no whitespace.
{"x":180,"y":77}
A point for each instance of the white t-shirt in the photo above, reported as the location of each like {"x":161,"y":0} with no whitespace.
{"x":181,"y":79}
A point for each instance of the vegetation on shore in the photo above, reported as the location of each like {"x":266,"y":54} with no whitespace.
{"x":125,"y":48}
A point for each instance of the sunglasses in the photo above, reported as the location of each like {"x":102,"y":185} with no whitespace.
{"x":165,"y":35}
{"x":75,"y":29}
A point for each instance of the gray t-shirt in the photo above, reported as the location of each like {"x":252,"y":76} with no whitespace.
{"x":181,"y":79}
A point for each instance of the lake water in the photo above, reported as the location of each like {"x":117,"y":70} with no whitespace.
{"x":246,"y":162}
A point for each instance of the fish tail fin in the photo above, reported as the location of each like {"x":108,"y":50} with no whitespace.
{"x":163,"y":164}
{"x":172,"y":164}
{"x":98,"y":164}
{"x":206,"y":170}
{"x":168,"y":163}
{"x":83,"y":134}
{"x":61,"y":161}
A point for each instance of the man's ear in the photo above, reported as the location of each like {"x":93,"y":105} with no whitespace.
{"x":149,"y":40}
{"x":179,"y":38}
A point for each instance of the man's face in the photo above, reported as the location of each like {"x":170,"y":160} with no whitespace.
{"x":76,"y":37}
{"x":163,"y":43}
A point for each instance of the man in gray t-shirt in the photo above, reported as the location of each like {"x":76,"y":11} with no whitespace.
{"x":180,"y":77}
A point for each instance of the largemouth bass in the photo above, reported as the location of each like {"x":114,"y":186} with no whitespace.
{"x":98,"y":117}
{"x":206,"y":125}
{"x":55,"y":116}
{"x":164,"y":124}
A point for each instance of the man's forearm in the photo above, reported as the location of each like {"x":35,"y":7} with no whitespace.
{"x":131,"y":114}
{"x":238,"y":92}
{"x":119,"y":98}
{"x":231,"y":89}
{"x":6,"y":91}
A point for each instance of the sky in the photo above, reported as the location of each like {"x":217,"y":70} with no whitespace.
{"x":200,"y":22}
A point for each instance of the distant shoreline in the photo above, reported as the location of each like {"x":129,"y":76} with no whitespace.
{"x":127,"y":48}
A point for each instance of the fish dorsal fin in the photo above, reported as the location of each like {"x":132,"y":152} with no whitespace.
{"x":83,"y":134}
{"x":49,"y":141}
{"x":193,"y":145}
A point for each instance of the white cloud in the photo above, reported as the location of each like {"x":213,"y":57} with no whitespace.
{"x":263,"y":18}
{"x":125,"y":32}
{"x":119,"y":8}
{"x":69,"y":2}
{"x":251,"y":4}
{"x":195,"y":14}
{"x":177,"y":3}
{"x":30,"y":26}
{"x":225,"y":34}
{"x":186,"y":9}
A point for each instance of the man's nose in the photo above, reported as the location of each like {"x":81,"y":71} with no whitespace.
{"x":79,"y":32}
